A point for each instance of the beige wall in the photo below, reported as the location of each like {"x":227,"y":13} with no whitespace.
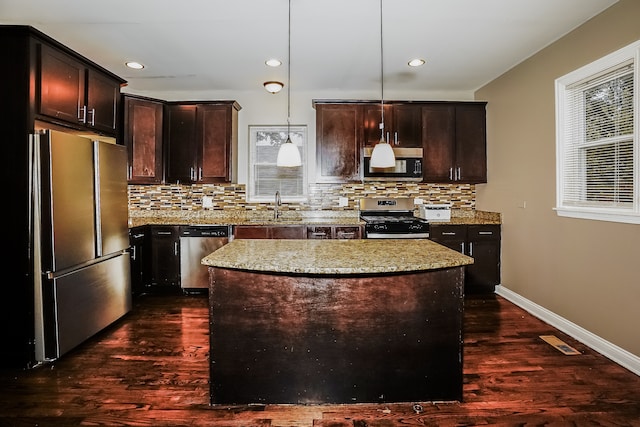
{"x":585,"y":271}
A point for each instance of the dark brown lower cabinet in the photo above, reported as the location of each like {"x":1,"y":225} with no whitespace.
{"x":269,"y":231}
{"x":297,"y":232}
{"x":139,"y":246}
{"x":482,"y":243}
{"x":334,"y":232}
{"x":314,"y":339}
{"x":165,"y":255}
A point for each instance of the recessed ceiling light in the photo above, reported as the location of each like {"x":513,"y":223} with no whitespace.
{"x":273,"y":62}
{"x":416,"y":62}
{"x":134,"y":65}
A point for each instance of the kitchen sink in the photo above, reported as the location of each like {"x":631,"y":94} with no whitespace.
{"x":274,"y":220}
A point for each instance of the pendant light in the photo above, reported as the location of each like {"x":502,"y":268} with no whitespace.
{"x":382,"y":155}
{"x":288,"y":154}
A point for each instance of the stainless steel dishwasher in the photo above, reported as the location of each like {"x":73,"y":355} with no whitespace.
{"x":196,"y":242}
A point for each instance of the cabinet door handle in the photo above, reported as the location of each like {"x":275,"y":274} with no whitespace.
{"x":346,"y":235}
{"x":130,"y":172}
{"x":199,"y":174}
{"x":462,"y":246}
{"x":395,"y":138}
{"x":470,"y":248}
{"x":92,"y":122}
{"x":164,"y":233}
{"x":486,"y":233}
{"x":458,"y":174}
{"x":450,"y":174}
{"x":191,"y":174}
{"x":318,"y":234}
{"x":82,"y":114}
{"x":175,"y":248}
{"x":448,"y":233}
{"x":133,"y":253}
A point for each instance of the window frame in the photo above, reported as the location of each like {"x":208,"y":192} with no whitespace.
{"x":617,"y":59}
{"x":251,"y":182}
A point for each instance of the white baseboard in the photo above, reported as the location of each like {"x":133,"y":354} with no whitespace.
{"x":602,"y":346}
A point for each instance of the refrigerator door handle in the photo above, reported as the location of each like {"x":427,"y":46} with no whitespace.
{"x":35,"y":233}
{"x":98,"y":206}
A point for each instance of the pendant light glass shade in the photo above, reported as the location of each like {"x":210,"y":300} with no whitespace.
{"x":288,"y":154}
{"x":382,"y":155}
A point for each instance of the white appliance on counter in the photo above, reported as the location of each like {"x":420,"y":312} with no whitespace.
{"x":435,"y":212}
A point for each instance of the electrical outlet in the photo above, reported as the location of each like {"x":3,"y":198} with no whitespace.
{"x":207,"y":201}
{"x":343,"y":201}
{"x":418,"y":201}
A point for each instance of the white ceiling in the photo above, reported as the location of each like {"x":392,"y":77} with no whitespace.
{"x":221,"y":45}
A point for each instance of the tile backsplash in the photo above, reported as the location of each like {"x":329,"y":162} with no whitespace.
{"x":321,"y":196}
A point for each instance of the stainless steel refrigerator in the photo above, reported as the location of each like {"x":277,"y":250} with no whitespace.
{"x":79,"y":239}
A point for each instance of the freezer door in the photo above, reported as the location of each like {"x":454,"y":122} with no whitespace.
{"x":67,"y":198}
{"x":111,"y":182}
{"x":87,"y":301}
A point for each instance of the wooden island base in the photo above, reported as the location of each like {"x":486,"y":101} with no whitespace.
{"x":305,"y":339}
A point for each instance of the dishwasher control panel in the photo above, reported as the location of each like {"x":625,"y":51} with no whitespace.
{"x":204,"y":231}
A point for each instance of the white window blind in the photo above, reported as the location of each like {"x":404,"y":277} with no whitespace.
{"x":597,"y":142}
{"x":265,"y":178}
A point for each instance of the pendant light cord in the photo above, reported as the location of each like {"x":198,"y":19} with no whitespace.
{"x":381,"y":77}
{"x":289,"y":79}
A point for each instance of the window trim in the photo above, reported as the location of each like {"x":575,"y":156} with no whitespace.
{"x":616,"y":59}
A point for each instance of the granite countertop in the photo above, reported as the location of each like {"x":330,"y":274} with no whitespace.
{"x":242,"y":218}
{"x":326,"y":257}
{"x":176,"y":217}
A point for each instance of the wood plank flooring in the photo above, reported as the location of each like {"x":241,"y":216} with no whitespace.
{"x":151,"y":369}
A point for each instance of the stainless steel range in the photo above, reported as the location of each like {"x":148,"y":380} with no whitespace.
{"x":392,"y":218}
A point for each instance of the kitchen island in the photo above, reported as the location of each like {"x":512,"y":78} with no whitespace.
{"x":335,"y":321}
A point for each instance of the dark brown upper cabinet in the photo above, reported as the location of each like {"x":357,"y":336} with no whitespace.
{"x":143,"y":138}
{"x":454,"y":142}
{"x":201,"y":141}
{"x":339,"y":136}
{"x":402,"y":124}
{"x":73,"y":91}
{"x":471,"y":142}
{"x":451,"y":134}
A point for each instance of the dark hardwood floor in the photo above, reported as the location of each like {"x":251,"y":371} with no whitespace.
{"x":151,"y":369}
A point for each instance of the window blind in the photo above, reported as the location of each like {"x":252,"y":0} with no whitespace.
{"x":265,"y":177}
{"x":598,"y":149}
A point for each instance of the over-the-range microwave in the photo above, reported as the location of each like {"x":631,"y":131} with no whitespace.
{"x":408,"y":166}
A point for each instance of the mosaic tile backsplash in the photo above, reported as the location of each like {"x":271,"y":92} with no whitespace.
{"x":322,"y":197}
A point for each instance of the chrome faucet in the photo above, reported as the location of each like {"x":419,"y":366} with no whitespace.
{"x":278,"y":203}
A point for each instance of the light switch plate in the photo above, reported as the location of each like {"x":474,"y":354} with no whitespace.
{"x":207,"y":201}
{"x":343,"y":201}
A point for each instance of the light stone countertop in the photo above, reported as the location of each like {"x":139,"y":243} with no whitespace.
{"x":177,"y":217}
{"x":335,"y":257}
